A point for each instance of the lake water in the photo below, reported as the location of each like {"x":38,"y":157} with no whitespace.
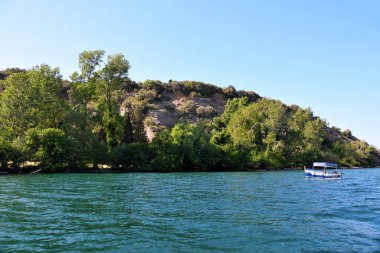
{"x":190,"y":212}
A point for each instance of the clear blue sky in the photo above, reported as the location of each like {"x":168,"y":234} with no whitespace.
{"x":323,"y":54}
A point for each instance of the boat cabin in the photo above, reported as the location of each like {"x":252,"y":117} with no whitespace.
{"x":320,"y":170}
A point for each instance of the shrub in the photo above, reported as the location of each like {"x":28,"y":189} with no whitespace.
{"x":194,"y":94}
{"x":149,"y":121}
{"x":149,"y":95}
{"x":132,"y":102}
{"x":347,"y":133}
{"x":230,"y":92}
{"x":252,"y":96}
{"x":8,"y":153}
{"x":130,"y":85}
{"x":206,"y":112}
{"x":187,"y":107}
{"x":155,"y":85}
{"x":203,"y":89}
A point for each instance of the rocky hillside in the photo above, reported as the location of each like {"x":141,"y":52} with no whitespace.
{"x":154,"y":105}
{"x":165,"y":104}
{"x":162,"y":105}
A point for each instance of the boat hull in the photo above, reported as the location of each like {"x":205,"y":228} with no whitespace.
{"x":322,"y":174}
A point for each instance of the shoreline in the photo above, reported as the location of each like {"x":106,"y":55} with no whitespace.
{"x":37,"y":171}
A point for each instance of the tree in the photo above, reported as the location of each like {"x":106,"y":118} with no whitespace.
{"x":232,"y":106}
{"x":9,"y":71}
{"x":88,"y":62}
{"x":32,"y":100}
{"x":47,"y":146}
{"x":167,"y":154}
{"x":83,"y":145}
{"x":99,"y":87}
{"x":10,"y":155}
{"x":128,"y":128}
{"x":304,"y":139}
{"x":194,"y":145}
{"x":132,"y":156}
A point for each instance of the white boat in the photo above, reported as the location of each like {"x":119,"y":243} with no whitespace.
{"x":325,"y":170}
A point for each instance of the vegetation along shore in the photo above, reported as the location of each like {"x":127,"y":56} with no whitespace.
{"x":100,"y":120}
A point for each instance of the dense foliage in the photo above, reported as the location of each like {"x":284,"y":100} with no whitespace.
{"x":58,"y":125}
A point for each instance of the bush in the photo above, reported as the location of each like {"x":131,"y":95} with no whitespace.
{"x":347,"y":133}
{"x":206,"y":112}
{"x":8,"y":153}
{"x":230,"y":92}
{"x":7,"y":72}
{"x":194,"y":94}
{"x":187,"y":107}
{"x":130,"y":85}
{"x":133,"y":103}
{"x":148,"y":95}
{"x":203,"y":89}
{"x":252,"y":96}
{"x":155,"y":85}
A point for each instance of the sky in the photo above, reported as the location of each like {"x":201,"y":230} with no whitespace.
{"x":322,"y":54}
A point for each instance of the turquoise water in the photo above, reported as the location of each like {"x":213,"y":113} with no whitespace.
{"x":190,"y":212}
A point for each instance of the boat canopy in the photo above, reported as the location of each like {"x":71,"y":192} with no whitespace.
{"x":325,"y":164}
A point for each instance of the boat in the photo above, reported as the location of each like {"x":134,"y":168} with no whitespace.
{"x":324,"y":170}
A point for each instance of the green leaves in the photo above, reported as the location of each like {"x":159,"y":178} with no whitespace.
{"x":99,"y":87}
{"x":47,"y":146}
{"x":88,"y":62}
{"x":274,"y":135}
{"x":133,"y":156}
{"x":116,"y":70}
{"x":167,"y":155}
{"x":195,"y":147}
{"x":32,"y":100}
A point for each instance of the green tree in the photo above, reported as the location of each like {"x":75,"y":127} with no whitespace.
{"x":99,"y":87}
{"x":47,"y":146}
{"x":195,"y":147}
{"x":32,"y":100}
{"x":132,"y":156}
{"x":167,"y":155}
{"x":304,"y":139}
{"x":128,"y":128}
{"x":10,"y":156}
{"x":83,"y":145}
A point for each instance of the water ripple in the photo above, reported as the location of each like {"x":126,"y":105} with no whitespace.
{"x":190,"y":212}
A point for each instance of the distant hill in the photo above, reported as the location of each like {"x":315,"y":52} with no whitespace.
{"x":165,"y":104}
